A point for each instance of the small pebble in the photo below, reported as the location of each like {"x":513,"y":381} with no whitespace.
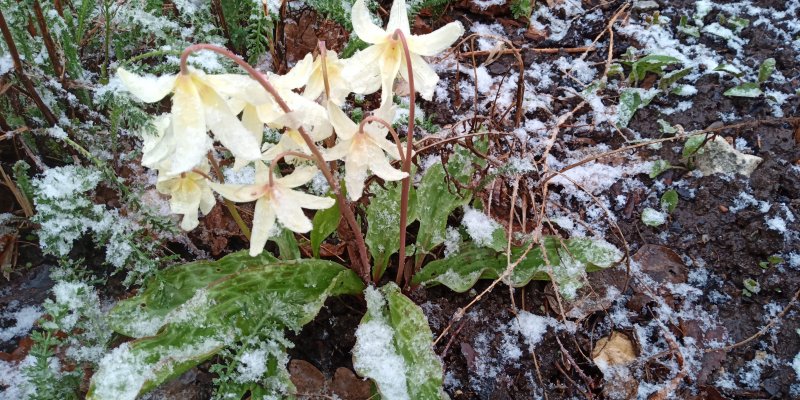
{"x":723,"y":208}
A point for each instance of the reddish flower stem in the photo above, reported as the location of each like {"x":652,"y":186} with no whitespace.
{"x":364,"y":267}
{"x":406,"y":186}
{"x":323,"y":58}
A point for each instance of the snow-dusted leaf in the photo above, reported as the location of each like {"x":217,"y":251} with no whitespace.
{"x":766,"y":69}
{"x":286,"y":294}
{"x":160,"y":297}
{"x":653,"y":217}
{"x":630,"y":101}
{"x":325,"y":223}
{"x":673,"y":77}
{"x":654,"y":63}
{"x":687,"y":29}
{"x":693,"y":145}
{"x":669,"y":200}
{"x":568,"y":258}
{"x":747,"y":89}
{"x":659,"y":166}
{"x":435,"y":203}
{"x":729,"y":69}
{"x":383,"y":220}
{"x":394,"y":347}
{"x":287,"y":244}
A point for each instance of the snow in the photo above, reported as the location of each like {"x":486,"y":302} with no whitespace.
{"x":374,"y":352}
{"x":244,"y":176}
{"x":252,"y":365}
{"x":532,"y":327}
{"x":452,"y":242}
{"x":16,"y":385}
{"x":653,"y":217}
{"x":6,"y":63}
{"x":25,"y":318}
{"x":479,"y":226}
{"x":777,"y":224}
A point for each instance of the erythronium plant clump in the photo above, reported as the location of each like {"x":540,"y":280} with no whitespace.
{"x":190,"y":313}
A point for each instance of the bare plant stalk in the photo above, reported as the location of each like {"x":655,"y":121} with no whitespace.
{"x":229,"y":204}
{"x":388,"y":126}
{"x":20,"y":71}
{"x":48,"y":40}
{"x":363,"y":268}
{"x":406,"y":185}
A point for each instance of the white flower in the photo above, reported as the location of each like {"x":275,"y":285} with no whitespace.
{"x":188,"y":191}
{"x":386,"y":53}
{"x":338,"y":83}
{"x":276,"y":201}
{"x":196,"y":108}
{"x":363,"y":150}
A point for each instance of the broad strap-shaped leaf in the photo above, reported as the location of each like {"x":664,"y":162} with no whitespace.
{"x":383,"y":218}
{"x":325,"y":223}
{"x":169,"y":290}
{"x":284,"y":294}
{"x":287,"y":245}
{"x":747,"y":89}
{"x":394,"y":347}
{"x":566,"y":258}
{"x":435,"y":203}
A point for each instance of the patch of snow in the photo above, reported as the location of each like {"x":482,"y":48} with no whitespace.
{"x":479,"y":226}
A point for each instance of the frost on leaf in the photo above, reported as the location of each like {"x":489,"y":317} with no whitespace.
{"x":394,"y":347}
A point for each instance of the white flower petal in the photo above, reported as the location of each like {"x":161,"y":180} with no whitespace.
{"x":345,"y":127}
{"x":390,"y":62}
{"x":289,"y":213}
{"x":437,"y":41}
{"x":207,"y":200}
{"x":355,"y":173}
{"x":148,"y":89}
{"x":297,"y":76}
{"x":363,"y":26}
{"x":338,"y":152}
{"x":425,"y":77}
{"x":398,"y":18}
{"x":310,"y":202}
{"x":362,"y":72}
{"x":381,"y":167}
{"x":263,"y":221}
{"x":189,"y":126}
{"x":189,"y":220}
{"x":239,"y":193}
{"x":240,"y":87}
{"x":159,"y":147}
{"x":299,"y":177}
{"x":228,"y":129}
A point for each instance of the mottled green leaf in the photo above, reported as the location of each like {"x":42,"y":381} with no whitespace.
{"x":687,"y":29}
{"x":630,"y":101}
{"x":766,"y":69}
{"x":673,"y":77}
{"x":729,"y":69}
{"x":435,"y":203}
{"x":666,"y":128}
{"x":669,"y":200}
{"x":651,"y":63}
{"x":325,"y":223}
{"x":658,"y":168}
{"x":284,"y":294}
{"x":568,"y":258}
{"x":143,"y":314}
{"x":693,"y":145}
{"x":394,"y":347}
{"x":747,"y":89}
{"x":383,"y":220}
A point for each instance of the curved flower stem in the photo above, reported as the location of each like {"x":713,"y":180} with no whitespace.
{"x":334,"y":184}
{"x":388,"y":126}
{"x":406,"y":186}
{"x":280,"y":156}
{"x":228,"y":204}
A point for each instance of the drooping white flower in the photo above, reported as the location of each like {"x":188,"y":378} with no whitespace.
{"x":276,"y":201}
{"x":188,"y":191}
{"x":386,"y":57}
{"x":363,"y":151}
{"x":340,"y":86}
{"x":196,"y":108}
